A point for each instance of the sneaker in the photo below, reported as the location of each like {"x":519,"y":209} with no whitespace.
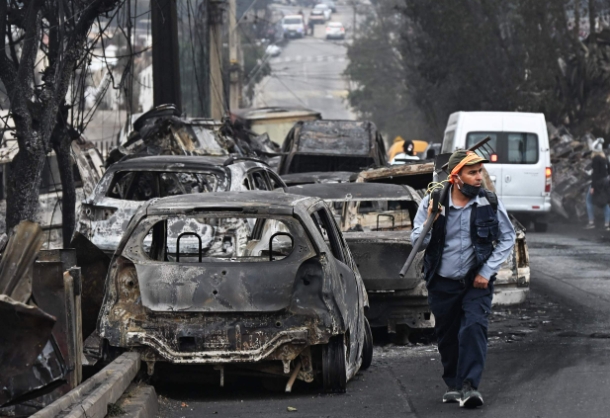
{"x":471,"y":398}
{"x":590,"y":226}
{"x":452,"y":395}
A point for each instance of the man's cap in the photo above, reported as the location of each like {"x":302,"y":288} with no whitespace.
{"x":459,"y":155}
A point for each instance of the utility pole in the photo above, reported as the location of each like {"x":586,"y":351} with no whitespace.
{"x":235,"y":67}
{"x":166,"y":60}
{"x":216,"y":82}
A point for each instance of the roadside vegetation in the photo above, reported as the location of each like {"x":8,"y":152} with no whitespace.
{"x":413,"y":64}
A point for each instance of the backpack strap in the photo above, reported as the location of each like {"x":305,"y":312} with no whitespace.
{"x":493,"y":199}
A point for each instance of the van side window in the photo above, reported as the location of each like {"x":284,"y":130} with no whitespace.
{"x":475,"y":137}
{"x":522,"y":148}
{"x":510,"y":147}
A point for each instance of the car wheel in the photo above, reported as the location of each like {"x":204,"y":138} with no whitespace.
{"x":334,"y":370}
{"x":367,"y":349}
{"x":540,"y":226}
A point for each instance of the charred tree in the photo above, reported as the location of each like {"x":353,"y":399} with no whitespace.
{"x":44,"y":43}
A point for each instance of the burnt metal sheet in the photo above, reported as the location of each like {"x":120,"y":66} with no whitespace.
{"x":19,"y":255}
{"x":415,"y":175}
{"x":379,"y":254}
{"x":296,"y":179}
{"x":25,"y":330}
{"x":94,"y":267}
{"x":335,"y":192}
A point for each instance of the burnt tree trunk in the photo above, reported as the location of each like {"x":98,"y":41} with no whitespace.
{"x":23,"y":185}
{"x":61,"y":139}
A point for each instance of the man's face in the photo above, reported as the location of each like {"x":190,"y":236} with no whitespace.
{"x":472,"y":175}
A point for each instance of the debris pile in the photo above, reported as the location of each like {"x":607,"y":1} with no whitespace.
{"x":163,"y":131}
{"x":571,"y":160}
{"x":40,"y":303}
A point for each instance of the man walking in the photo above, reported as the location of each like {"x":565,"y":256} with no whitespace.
{"x":470,"y":239}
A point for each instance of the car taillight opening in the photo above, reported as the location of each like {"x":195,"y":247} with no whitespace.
{"x":548,"y":174}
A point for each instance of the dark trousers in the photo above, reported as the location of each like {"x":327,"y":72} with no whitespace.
{"x":461,"y":313}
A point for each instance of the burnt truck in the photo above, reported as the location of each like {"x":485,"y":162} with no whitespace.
{"x":376,"y":220}
{"x":238,"y":282}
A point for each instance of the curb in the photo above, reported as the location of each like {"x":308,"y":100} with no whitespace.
{"x":91,"y":399}
{"x":139,"y":401}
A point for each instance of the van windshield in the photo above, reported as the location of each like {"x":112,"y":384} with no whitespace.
{"x":293,"y":21}
{"x":510,"y":147}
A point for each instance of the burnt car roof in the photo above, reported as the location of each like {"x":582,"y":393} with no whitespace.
{"x":355,"y":191}
{"x":176,"y":161}
{"x":319,"y":177}
{"x":322,"y":136}
{"x":265,"y":202}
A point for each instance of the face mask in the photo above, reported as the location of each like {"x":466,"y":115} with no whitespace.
{"x":468,"y":190}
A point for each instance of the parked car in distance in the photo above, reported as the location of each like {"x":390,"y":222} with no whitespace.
{"x":521,"y":166}
{"x":288,"y":297}
{"x":294,"y":26}
{"x":105,"y":213}
{"x":330,"y":4}
{"x":273,"y":50}
{"x":332,"y":145}
{"x":375,"y":220}
{"x":320,"y":13}
{"x":335,"y":30}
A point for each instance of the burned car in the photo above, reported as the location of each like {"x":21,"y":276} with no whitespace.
{"x":376,"y":220}
{"x":513,"y":279}
{"x":126,"y":185}
{"x":284,"y":300}
{"x":332,"y":145}
{"x":297,"y":179}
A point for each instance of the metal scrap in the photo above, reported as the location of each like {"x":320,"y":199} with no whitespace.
{"x":571,"y":159}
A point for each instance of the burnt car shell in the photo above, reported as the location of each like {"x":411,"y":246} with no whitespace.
{"x":379,"y":248}
{"x":104,"y":215}
{"x":513,"y":280}
{"x":265,"y":315}
{"x":332,"y":145}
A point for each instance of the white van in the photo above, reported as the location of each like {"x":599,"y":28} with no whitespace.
{"x":521,"y":165}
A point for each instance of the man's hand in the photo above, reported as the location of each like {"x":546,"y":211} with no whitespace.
{"x":430,"y":211}
{"x":480,"y":282}
{"x":591,"y":190}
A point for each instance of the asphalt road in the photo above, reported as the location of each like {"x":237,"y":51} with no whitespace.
{"x":549,"y":357}
{"x":308,"y":72}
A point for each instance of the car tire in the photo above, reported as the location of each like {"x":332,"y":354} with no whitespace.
{"x":367,"y":349}
{"x":334,"y":369}
{"x":540,"y":226}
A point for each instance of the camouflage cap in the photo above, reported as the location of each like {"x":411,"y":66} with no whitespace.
{"x":459,"y":155}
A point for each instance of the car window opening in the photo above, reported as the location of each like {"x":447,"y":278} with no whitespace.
{"x":204,"y":239}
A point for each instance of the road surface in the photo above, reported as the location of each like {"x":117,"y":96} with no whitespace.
{"x":309,"y":72}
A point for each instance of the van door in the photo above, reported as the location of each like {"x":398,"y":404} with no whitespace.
{"x":523,"y":173}
{"x":493,"y":168}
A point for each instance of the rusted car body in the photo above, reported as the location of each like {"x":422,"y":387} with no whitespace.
{"x":126,"y":185}
{"x":513,"y":279}
{"x":376,"y":220}
{"x":332,"y":145}
{"x":287,"y":301}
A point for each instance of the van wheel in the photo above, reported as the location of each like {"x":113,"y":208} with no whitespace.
{"x":334,"y":370}
{"x":540,"y":226}
{"x":367,"y":349}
